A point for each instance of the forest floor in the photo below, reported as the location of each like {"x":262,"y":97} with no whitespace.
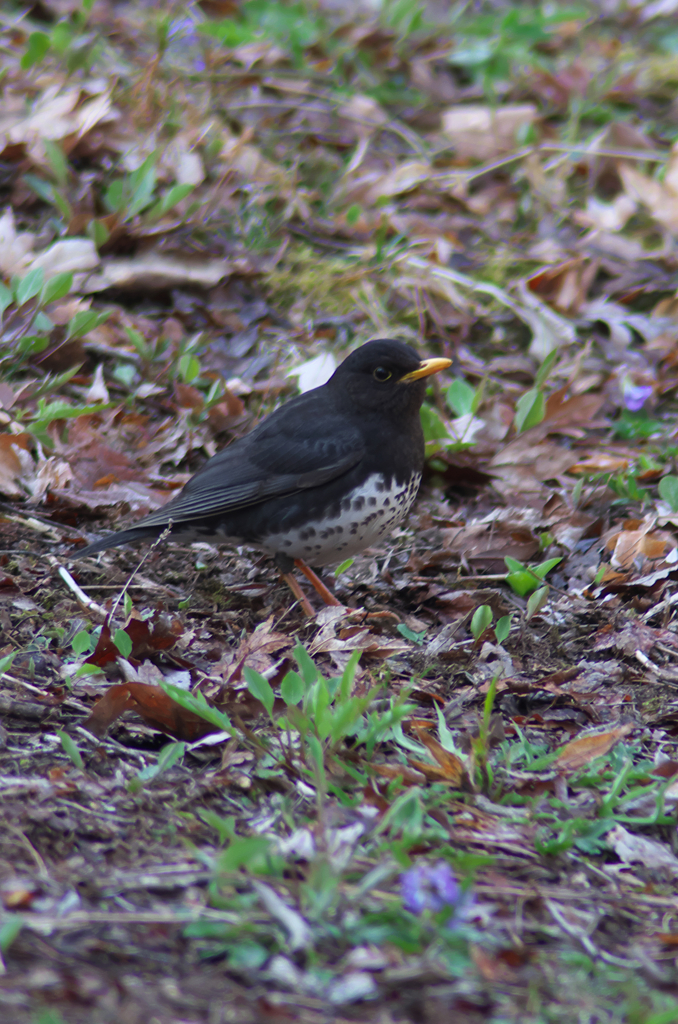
{"x":453,"y":797}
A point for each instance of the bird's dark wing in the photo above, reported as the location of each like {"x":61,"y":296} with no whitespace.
{"x":301,"y":445}
{"x":285,"y":454}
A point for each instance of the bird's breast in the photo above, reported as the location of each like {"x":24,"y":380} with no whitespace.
{"x":344,"y":528}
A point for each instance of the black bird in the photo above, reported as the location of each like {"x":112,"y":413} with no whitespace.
{"x":326,"y":475}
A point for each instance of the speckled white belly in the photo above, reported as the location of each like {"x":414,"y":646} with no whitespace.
{"x":373,"y":511}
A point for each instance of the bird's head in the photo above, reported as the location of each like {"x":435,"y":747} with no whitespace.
{"x":386,"y":374}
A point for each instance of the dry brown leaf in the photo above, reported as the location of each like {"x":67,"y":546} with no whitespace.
{"x":565,"y":286}
{"x":563,"y":413}
{"x":184,"y":161}
{"x":584,"y":749}
{"x":402,"y":178}
{"x":11,"y":466}
{"x":148,"y":637}
{"x":15,"y":246}
{"x":364,"y":112}
{"x":452,"y":767}
{"x":153,"y":705}
{"x":57,"y":113}
{"x":607,"y":216}
{"x":52,"y":474}
{"x":153,"y":270}
{"x":481,"y":131}
{"x":255,"y":651}
{"x":492,"y":539}
{"x":660,"y":198}
{"x":397,"y":771}
{"x":600,"y":463}
{"x":634,"y":849}
{"x":69,"y":254}
{"x":637,"y":540}
{"x":526,"y":463}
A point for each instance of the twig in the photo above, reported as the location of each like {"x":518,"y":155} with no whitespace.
{"x":86,"y":602}
{"x":668,"y":602}
{"x":158,"y":540}
{"x":666,"y":675}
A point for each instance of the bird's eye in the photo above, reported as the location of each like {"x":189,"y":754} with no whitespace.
{"x":381,"y":374}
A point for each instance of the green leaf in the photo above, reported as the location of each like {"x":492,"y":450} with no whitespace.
{"x":71,"y":749}
{"x":348,"y":676}
{"x":6,"y":663}
{"x":9,"y":930}
{"x":142,"y":185}
{"x":229,"y":32}
{"x":406,"y":813}
{"x":345,"y":717}
{"x":98,"y":232}
{"x":44,"y":189}
{"x":36,"y":48}
{"x":224,"y":827}
{"x":668,"y":490}
{"x":317,"y":708}
{"x":503,"y":628}
{"x":546,"y":566}
{"x":482,"y":620}
{"x":170,"y":200}
{"x":537,"y":601}
{"x":5,"y":298}
{"x":522,"y":583}
{"x":123,"y":641}
{"x":57,"y":161}
{"x":292,"y":688}
{"x":410,"y":634}
{"x":125,"y":373}
{"x":82,"y":642}
{"x":89,"y":670}
{"x":318,"y":756}
{"x":433,"y":425}
{"x":460,"y":397}
{"x":62,"y":36}
{"x":29,"y":286}
{"x":113,"y":196}
{"x":545,"y":369}
{"x":248,"y":852}
{"x":260,"y":688}
{"x":344,"y":566}
{"x":196,"y":703}
{"x":306,"y":665}
{"x":168,"y":756}
{"x":84,"y":322}
{"x":513,"y":565}
{"x":48,"y":411}
{"x":56,"y":288}
{"x":42,"y":323}
{"x":189,"y":367}
{"x":530,"y":409}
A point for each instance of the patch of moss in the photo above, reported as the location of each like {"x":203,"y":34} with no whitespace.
{"x":327,"y":283}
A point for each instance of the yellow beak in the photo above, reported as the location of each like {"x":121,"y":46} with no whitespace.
{"x":425,"y":369}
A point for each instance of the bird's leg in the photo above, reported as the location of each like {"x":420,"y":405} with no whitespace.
{"x":318,"y":584}
{"x":295,"y":587}
{"x":286,"y":564}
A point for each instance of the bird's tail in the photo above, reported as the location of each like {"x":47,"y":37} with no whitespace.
{"x":113,"y":540}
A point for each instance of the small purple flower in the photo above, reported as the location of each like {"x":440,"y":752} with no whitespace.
{"x":430,"y":887}
{"x":635,"y":395}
